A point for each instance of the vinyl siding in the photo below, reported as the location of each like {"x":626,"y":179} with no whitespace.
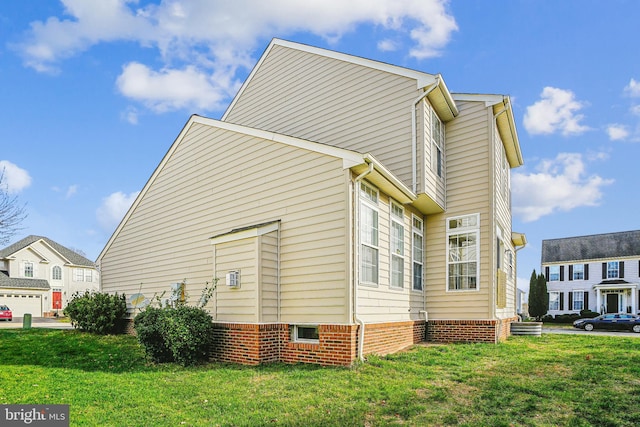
{"x":385,"y":303}
{"x":333,"y":102}
{"x":468,"y":155}
{"x":217,"y":180}
{"x":237,"y":304}
{"x":503,"y":220}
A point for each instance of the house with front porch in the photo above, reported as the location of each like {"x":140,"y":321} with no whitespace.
{"x":598,"y":272}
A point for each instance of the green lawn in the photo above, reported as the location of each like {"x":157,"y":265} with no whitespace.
{"x":553,"y":380}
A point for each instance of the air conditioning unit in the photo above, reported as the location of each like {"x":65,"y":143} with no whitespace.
{"x":233,"y":279}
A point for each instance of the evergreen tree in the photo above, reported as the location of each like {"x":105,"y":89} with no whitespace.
{"x":538,"y":296}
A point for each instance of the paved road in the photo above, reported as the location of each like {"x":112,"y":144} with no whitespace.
{"x":36,"y":322}
{"x":576,"y":331}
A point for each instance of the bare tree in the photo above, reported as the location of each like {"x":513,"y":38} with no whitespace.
{"x":12,"y":213}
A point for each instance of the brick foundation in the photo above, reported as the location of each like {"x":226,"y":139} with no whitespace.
{"x":480,"y":331}
{"x":254,"y":344}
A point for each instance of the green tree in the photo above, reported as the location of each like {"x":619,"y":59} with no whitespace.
{"x":538,"y":296}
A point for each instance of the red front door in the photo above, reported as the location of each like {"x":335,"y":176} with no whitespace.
{"x":57,"y":300}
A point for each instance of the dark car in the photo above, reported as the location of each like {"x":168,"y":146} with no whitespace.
{"x":616,"y":322}
{"x":5,"y":313}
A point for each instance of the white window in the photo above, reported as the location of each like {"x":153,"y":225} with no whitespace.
{"x":78,"y":275}
{"x":554,"y":273}
{"x":397,"y":245}
{"x":578,"y":299}
{"x":463,"y":244}
{"x":578,"y":272}
{"x":554,"y":301}
{"x":28,"y":269}
{"x":613,"y":270}
{"x":88,"y":275}
{"x":368,"y":234}
{"x":306,"y":334}
{"x":418,"y":253}
{"x":56,"y":273}
{"x":437,"y":136}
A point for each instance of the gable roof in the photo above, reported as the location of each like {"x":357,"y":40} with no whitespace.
{"x":598,"y":246}
{"x":358,"y":162}
{"x":440,"y":96}
{"x":70,"y":256}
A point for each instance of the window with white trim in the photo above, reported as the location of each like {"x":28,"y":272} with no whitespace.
{"x":613,"y":270}
{"x":463,"y":250}
{"x":78,"y":275}
{"x":88,"y":275}
{"x":578,"y":271}
{"x":397,"y":245}
{"x":56,"y":273}
{"x":418,"y":253}
{"x":578,"y":300}
{"x":306,"y":333}
{"x":368,"y":234}
{"x":554,"y":273}
{"x":437,"y":138}
{"x":28,"y":269}
{"x":554,"y":300}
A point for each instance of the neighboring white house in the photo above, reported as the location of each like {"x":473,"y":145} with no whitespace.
{"x":597,"y":272}
{"x":39,"y":276}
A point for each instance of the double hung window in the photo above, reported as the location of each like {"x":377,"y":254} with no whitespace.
{"x":418,"y":253}
{"x":463,"y":240}
{"x":397,"y":245}
{"x":369,"y":230}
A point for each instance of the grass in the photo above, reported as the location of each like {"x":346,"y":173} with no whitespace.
{"x":553,"y":380}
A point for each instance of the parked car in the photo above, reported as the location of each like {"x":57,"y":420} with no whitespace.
{"x":617,"y":322}
{"x":5,"y":313}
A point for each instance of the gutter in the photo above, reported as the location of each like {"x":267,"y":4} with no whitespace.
{"x":414,"y":131}
{"x":356,"y":270}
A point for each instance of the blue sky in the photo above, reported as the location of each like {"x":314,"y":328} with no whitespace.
{"x":95,"y":92}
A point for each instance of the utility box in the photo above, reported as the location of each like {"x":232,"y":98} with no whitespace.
{"x":26,"y":321}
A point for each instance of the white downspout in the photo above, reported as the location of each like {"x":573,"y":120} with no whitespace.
{"x":356,"y":270}
{"x":414,"y":132}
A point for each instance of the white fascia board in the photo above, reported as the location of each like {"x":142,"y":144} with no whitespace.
{"x":350,"y":158}
{"x":423,"y":79}
{"x":391,"y":178}
{"x":488,"y":99}
{"x":245,"y":234}
{"x":55,"y":251}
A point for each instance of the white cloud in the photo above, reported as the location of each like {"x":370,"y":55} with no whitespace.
{"x":387,"y":45}
{"x":633,"y":88}
{"x":617,"y":132}
{"x":73,"y":189}
{"x":557,"y":111}
{"x":15,"y":179}
{"x":207,"y":41}
{"x":170,"y":89}
{"x":113,"y":209}
{"x":560,"y":184}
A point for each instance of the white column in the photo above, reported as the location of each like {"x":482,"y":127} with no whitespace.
{"x":634,"y":307}
{"x":598,"y":300}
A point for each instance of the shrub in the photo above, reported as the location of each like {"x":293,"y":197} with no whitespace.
{"x":588,"y":314}
{"x":97,"y":312}
{"x":148,"y":326}
{"x":183,"y":335}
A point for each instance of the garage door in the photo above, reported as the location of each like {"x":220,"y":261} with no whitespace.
{"x":22,"y":303}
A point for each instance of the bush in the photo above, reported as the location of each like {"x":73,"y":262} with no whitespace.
{"x":588,"y":314}
{"x":97,"y":312}
{"x":183,"y":335}
{"x":148,"y":326}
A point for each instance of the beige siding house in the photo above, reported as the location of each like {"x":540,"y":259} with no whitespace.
{"x":39,"y":276}
{"x":345,"y":207}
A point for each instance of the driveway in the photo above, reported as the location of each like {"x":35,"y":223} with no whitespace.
{"x":576,"y":331}
{"x":37,"y":322}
